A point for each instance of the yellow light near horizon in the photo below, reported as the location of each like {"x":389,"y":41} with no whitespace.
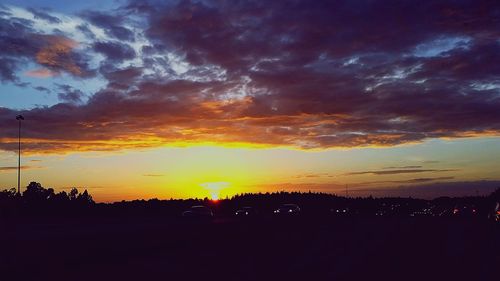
{"x":211,"y":172}
{"x":214,"y":188}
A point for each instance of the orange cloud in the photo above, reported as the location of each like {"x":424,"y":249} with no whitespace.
{"x":57,"y":54}
{"x":41,"y":73}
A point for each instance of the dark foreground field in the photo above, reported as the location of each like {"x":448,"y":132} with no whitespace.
{"x":297,"y":248}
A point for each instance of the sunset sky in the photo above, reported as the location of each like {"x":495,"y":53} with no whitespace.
{"x":177,"y":99}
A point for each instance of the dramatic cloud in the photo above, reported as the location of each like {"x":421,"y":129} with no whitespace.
{"x":57,"y":54}
{"x":303,"y":74}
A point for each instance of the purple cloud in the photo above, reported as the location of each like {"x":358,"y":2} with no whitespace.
{"x":306,"y":74}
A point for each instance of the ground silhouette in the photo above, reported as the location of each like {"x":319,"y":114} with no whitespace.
{"x":67,"y":236}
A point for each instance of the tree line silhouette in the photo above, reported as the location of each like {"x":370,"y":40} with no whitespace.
{"x":38,"y":201}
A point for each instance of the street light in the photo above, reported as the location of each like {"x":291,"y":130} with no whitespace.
{"x":19,"y":118}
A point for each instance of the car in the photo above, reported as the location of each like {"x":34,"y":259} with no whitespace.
{"x":287,"y":209}
{"x":198,"y":211}
{"x":246,"y":212}
{"x":340,"y":211}
{"x":464,"y":211}
{"x":494,"y":215}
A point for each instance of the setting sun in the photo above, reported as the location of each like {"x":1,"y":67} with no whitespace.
{"x":214,"y":188}
{"x":263,"y":140}
{"x":131,"y":107}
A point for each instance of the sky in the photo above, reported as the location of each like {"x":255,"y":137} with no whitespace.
{"x":178,"y":99}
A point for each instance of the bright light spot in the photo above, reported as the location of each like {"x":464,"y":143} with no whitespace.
{"x":214,"y":188}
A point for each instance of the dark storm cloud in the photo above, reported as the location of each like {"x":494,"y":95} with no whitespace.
{"x":307,"y":74}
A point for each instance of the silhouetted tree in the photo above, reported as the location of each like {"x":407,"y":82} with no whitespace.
{"x":495,"y":195}
{"x":85,"y":198}
{"x":8,"y":194}
{"x":73,"y":194}
{"x":36,"y":193}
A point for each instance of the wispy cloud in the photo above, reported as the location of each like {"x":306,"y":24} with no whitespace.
{"x":41,"y":73}
{"x":431,"y":190}
{"x":312,"y":175}
{"x":153,"y":175}
{"x":14,"y":168}
{"x":430,"y":162}
{"x":408,"y":181}
{"x":403,"y":167}
{"x":400,"y":171}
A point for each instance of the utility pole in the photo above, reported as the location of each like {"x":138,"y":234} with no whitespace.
{"x":19,"y":118}
{"x":346,"y":191}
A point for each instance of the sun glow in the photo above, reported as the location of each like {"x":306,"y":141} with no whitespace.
{"x":214,"y":188}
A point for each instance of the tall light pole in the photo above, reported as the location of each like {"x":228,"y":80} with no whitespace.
{"x":19,"y":118}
